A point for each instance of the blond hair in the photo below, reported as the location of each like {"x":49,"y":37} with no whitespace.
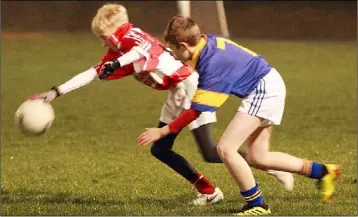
{"x":109,"y":16}
{"x":182,"y":29}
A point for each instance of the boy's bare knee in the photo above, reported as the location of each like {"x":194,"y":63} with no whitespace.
{"x":224,"y":150}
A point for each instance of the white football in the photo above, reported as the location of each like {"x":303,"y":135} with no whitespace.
{"x":34,"y":117}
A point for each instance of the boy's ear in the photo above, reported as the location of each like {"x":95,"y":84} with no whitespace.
{"x":185,"y":45}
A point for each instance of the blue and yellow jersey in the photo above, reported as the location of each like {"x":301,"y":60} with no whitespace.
{"x":224,"y":68}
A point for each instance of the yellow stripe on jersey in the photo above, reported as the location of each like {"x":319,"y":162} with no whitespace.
{"x":197,"y":50}
{"x":221,"y":44}
{"x":209,"y":98}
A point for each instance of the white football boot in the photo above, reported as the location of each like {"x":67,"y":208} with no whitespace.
{"x":204,"y":199}
{"x":285,"y":178}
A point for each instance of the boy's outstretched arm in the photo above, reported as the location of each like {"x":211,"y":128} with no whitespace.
{"x":77,"y":81}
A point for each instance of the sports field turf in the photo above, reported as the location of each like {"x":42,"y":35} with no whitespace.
{"x":90,"y":164}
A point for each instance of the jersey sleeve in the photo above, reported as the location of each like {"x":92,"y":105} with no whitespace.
{"x":119,"y":73}
{"x":211,"y":93}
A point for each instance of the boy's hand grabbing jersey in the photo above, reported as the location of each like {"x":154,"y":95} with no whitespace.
{"x":109,"y":68}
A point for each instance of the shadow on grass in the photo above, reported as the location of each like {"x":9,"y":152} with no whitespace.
{"x":36,"y":196}
{"x":163,"y":202}
{"x":175,"y":205}
{"x":33,"y":196}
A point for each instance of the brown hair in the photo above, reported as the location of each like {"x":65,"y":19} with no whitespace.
{"x":182,"y":29}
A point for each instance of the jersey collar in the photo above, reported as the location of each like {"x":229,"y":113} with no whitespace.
{"x":118,"y":35}
{"x":198,"y":48}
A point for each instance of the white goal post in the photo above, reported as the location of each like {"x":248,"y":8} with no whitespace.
{"x":184,"y":10}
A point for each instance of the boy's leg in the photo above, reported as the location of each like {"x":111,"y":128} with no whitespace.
{"x":260,"y":155}
{"x":162,"y":150}
{"x":210,"y":154}
{"x":206,"y":144}
{"x":239,"y":129}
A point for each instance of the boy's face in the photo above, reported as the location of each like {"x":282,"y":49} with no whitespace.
{"x":104,"y":38}
{"x":106,"y":43}
{"x":181,"y":52}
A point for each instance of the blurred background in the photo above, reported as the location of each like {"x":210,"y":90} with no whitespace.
{"x":271,"y":19}
{"x":89,"y":163}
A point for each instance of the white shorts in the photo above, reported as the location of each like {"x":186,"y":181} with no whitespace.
{"x":267,"y":100}
{"x":179,"y":99}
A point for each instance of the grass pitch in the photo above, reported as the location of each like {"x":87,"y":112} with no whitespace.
{"x":89,"y":162}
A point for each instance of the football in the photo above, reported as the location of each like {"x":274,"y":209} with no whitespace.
{"x":34,"y":117}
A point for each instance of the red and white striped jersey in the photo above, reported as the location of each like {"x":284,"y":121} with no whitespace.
{"x":156,"y":68}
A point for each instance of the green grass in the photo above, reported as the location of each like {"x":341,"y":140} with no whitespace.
{"x":89,"y":162}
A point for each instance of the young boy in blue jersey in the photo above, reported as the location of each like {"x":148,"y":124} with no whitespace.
{"x":225,"y":68}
